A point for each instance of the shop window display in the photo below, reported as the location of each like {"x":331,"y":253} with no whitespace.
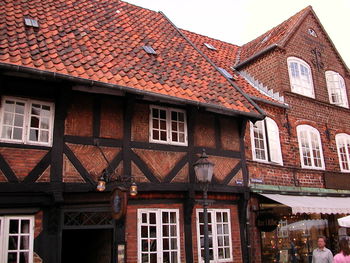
{"x":296,"y":236}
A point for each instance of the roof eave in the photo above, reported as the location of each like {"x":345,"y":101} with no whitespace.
{"x":126,"y":89}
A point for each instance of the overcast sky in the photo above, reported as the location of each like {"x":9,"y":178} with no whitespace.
{"x":239,"y":21}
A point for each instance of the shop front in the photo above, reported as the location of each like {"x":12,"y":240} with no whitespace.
{"x":295,"y":224}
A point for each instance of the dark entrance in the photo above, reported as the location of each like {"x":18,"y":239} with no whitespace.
{"x":87,"y":245}
{"x":87,"y":236}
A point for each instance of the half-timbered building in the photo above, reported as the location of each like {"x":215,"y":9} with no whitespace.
{"x":91,"y":89}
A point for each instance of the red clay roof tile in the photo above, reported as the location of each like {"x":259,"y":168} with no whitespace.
{"x":102,"y":41}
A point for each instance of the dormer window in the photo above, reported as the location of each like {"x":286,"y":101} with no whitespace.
{"x":300,"y":77}
{"x":336,"y":89}
{"x":312,"y":32}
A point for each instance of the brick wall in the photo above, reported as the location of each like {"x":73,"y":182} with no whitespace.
{"x":79,"y":116}
{"x":272,"y":70}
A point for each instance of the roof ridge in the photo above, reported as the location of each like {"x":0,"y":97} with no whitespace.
{"x":213,"y":38}
{"x":214,"y":65}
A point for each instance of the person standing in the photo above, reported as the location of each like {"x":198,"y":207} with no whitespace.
{"x":322,"y":254}
{"x":344,"y":255}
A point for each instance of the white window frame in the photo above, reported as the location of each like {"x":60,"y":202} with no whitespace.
{"x":159,"y":230}
{"x":212,"y":213}
{"x":4,"y":237}
{"x":168,"y":126}
{"x":309,"y":130}
{"x":26,"y":122}
{"x":346,"y":138}
{"x":269,"y":139}
{"x":334,"y":78}
{"x":298,"y":84}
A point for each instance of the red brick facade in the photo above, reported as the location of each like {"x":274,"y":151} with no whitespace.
{"x":271,"y":69}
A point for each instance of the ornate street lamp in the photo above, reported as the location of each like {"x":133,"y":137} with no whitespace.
{"x":204,"y":173}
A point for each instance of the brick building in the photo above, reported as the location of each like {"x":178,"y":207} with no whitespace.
{"x":297,"y":158}
{"x":108,"y":88}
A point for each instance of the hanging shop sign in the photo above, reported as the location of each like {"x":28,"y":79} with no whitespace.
{"x":119,"y":202}
{"x":267,"y":222}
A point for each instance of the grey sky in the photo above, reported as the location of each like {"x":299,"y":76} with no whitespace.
{"x":239,"y":21}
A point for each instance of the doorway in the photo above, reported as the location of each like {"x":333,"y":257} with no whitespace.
{"x":87,"y":245}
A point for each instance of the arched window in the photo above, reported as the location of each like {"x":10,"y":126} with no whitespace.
{"x":310,"y":147}
{"x":336,"y":89}
{"x":300,"y":77}
{"x":343,"y":147}
{"x":265,"y":139}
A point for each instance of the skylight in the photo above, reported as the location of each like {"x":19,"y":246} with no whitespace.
{"x":210,"y":46}
{"x":149,"y":50}
{"x":266,"y":38}
{"x":225,"y":73}
{"x":31,"y":22}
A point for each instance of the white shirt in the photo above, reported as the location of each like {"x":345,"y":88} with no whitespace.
{"x":322,"y":256}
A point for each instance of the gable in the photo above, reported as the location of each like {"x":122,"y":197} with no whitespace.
{"x":302,"y":37}
{"x":319,"y":52}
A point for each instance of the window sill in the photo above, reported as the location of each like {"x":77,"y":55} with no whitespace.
{"x":267,"y":162}
{"x":169,"y":143}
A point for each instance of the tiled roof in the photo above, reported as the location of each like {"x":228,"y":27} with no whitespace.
{"x":277,"y":35}
{"x":224,"y":57}
{"x":103,"y":41}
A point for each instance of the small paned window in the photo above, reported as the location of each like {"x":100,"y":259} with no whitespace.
{"x":26,"y":121}
{"x":300,"y":77}
{"x":336,"y":89}
{"x":168,"y":125}
{"x":310,"y":147}
{"x":343,"y":147}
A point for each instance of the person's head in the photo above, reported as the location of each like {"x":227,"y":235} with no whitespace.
{"x":344,"y":247}
{"x":321,"y":242}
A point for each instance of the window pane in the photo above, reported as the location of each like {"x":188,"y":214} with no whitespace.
{"x":19,"y":120}
{"x":174,"y":116}
{"x":36,"y":109}
{"x":144,"y":231}
{"x":9,"y":106}
{"x":17,"y":133}
{"x":174,"y":136}
{"x":144,"y":218}
{"x":44,"y":124}
{"x":44,"y":136}
{"x":152,"y":231}
{"x":24,"y":242}
{"x":34,"y":123}
{"x":163,"y":135}
{"x":155,"y":124}
{"x":6,"y":132}
{"x":14,"y":226}
{"x":34,"y":135}
{"x":24,"y":257}
{"x":19,"y":108}
{"x":153,"y":245}
{"x":155,"y":113}
{"x":181,"y":116}
{"x":172,"y":217}
{"x":174,"y":257}
{"x":152,"y":217}
{"x":12,"y":257}
{"x":8,"y":118}
{"x":162,"y":114}
{"x":165,"y":230}
{"x":25,"y":226}
{"x":155,"y":135}
{"x":13,"y":243}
